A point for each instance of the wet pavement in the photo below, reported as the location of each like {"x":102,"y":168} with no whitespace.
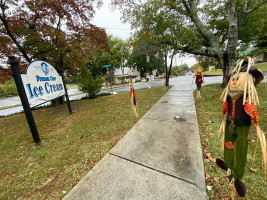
{"x":12,"y":105}
{"x":159,"y":158}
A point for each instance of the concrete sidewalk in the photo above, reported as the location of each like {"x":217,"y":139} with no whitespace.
{"x":159,"y":158}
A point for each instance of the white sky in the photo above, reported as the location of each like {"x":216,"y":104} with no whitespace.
{"x":111,"y":22}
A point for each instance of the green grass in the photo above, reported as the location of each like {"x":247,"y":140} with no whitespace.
{"x":260,"y":66}
{"x":217,"y":72}
{"x":71,"y":144}
{"x":209,"y":112}
{"x":72,"y":86}
{"x":8,"y":89}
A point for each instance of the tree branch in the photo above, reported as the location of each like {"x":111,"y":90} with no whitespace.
{"x":250,"y":11}
{"x":41,"y":52}
{"x":200,"y":52}
{"x":10,"y":34}
{"x":204,"y":32}
{"x":224,"y":37}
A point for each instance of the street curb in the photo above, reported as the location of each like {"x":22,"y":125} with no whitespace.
{"x":19,"y":104}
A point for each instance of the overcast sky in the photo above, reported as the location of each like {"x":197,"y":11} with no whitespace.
{"x":111,"y":22}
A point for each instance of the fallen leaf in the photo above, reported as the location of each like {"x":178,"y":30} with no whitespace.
{"x":209,"y":188}
{"x":208,"y":176}
{"x":214,"y":168}
{"x":14,"y":174}
{"x":212,"y":134}
{"x":253,"y":170}
{"x":64,"y":192}
{"x":48,"y":181}
{"x":80,"y":171}
{"x":253,"y":141}
{"x":210,"y":183}
{"x":209,"y":157}
{"x":217,"y":179}
{"x":31,"y":164}
{"x":207,"y":139}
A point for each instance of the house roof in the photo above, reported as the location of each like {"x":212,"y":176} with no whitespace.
{"x":127,"y":72}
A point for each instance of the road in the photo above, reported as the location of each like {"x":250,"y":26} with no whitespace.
{"x":12,"y":105}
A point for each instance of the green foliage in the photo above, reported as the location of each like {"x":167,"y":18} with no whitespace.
{"x":116,"y":56}
{"x":206,"y":62}
{"x":110,"y":78}
{"x":205,"y":28}
{"x":90,"y":85}
{"x":8,"y":89}
{"x":138,"y":59}
{"x":180,"y":69}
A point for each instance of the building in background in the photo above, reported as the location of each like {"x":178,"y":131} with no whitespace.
{"x":125,"y":74}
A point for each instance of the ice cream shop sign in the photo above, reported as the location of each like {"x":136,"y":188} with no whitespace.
{"x":41,"y":83}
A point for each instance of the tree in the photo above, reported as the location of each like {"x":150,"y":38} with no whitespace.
{"x":115,"y":56}
{"x":180,"y":69}
{"x":88,"y":84}
{"x":211,"y":28}
{"x":206,"y":62}
{"x":138,"y":59}
{"x":59,"y":32}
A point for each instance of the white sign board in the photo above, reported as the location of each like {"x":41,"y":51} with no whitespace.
{"x":42,"y":83}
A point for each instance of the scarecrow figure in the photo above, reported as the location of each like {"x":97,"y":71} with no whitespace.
{"x":239,"y":102}
{"x":199,"y":79}
{"x":133,"y":97}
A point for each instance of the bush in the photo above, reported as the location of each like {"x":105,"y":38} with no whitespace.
{"x":8,"y":89}
{"x":90,"y":85}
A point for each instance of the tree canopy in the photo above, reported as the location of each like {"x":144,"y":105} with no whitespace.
{"x":56,"y":31}
{"x":116,"y":56}
{"x":209,"y":28}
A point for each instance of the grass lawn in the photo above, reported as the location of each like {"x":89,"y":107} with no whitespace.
{"x":72,"y":86}
{"x":71,"y":144}
{"x":260,"y":66}
{"x":209,"y":112}
{"x":217,"y":72}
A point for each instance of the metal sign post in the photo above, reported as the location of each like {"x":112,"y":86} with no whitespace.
{"x":66,"y":91}
{"x":23,"y":97}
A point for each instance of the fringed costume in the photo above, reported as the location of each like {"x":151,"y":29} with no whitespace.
{"x":239,"y":107}
{"x":199,"y":79}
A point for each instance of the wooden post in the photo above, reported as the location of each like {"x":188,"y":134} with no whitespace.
{"x":23,"y":97}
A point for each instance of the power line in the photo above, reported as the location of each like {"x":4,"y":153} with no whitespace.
{"x":123,"y":29}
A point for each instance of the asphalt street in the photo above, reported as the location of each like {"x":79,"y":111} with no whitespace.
{"x":12,"y":105}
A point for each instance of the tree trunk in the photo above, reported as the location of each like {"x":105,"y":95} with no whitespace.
{"x":229,"y":57}
{"x":264,"y":57}
{"x":166,"y":70}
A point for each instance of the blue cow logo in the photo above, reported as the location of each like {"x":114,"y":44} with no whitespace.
{"x":44,"y":68}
